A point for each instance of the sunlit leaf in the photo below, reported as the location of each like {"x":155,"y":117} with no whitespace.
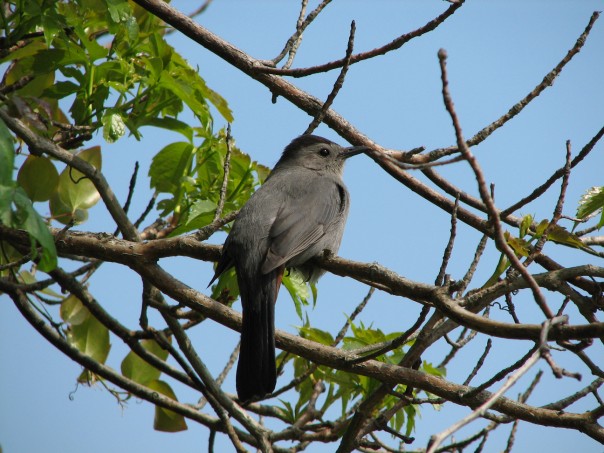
{"x":38,"y":177}
{"x":562,"y":236}
{"x":296,"y":285}
{"x":520,"y":246}
{"x":502,"y":265}
{"x":75,"y":190}
{"x":592,"y":201}
{"x":137,"y":369}
{"x":526,"y":223}
{"x":169,"y":166}
{"x":314,"y":334}
{"x":85,"y":332}
{"x":165,"y":419}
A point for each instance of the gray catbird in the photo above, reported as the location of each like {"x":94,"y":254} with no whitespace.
{"x":297,"y":213}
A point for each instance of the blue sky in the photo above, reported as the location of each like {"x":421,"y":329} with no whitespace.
{"x":498,"y":51}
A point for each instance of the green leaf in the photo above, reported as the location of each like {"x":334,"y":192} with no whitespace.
{"x":226,"y":287}
{"x":502,"y":265}
{"x":119,"y":10}
{"x":75,"y":190}
{"x":541,"y":228}
{"x":200,"y":214}
{"x":72,"y":311}
{"x":520,"y":246}
{"x":51,"y":23}
{"x":113,"y":126}
{"x":7,"y":154}
{"x":165,"y":419}
{"x":169,"y":166}
{"x":28,"y":219}
{"x":38,"y":177}
{"x":314,"y":334}
{"x":86,"y":333}
{"x":297,"y":287}
{"x":171,"y":124}
{"x":59,"y":90}
{"x":431,"y":369}
{"x":61,"y":212}
{"x":94,"y":50}
{"x":186,"y":92}
{"x":137,"y":369}
{"x":200,"y":87}
{"x":526,"y":223}
{"x":592,"y":201}
{"x":561,"y":235}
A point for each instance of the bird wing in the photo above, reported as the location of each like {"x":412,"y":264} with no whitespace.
{"x":302,"y":220}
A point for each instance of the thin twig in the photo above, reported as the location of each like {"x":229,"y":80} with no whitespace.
{"x":131,"y":187}
{"x":480,"y":362}
{"x":293,"y":42}
{"x":484,"y":192}
{"x":449,"y":248}
{"x":547,"y":81}
{"x":437,"y":439}
{"x":397,"y":43}
{"x":537,"y":192}
{"x":337,"y":85}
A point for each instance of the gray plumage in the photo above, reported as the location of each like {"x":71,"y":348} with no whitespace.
{"x":297,"y":213}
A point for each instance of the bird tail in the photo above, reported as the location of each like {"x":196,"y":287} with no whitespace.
{"x":256,"y":370}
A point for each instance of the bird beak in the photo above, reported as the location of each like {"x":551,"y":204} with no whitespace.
{"x":353,"y":151}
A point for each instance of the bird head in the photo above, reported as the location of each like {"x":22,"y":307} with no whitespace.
{"x":317,"y":153}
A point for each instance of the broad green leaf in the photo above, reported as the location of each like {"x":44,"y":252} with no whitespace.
{"x":59,"y":90}
{"x":431,"y":369}
{"x":558,"y":234}
{"x":119,"y":10}
{"x":226,"y":287}
{"x":171,"y":124}
{"x":562,"y":236}
{"x":38,"y":177}
{"x":200,"y":86}
{"x":41,"y":76}
{"x":169,"y":166}
{"x":75,"y":190}
{"x":186,"y":92}
{"x":314,"y":334}
{"x":28,"y":219}
{"x":165,"y":419}
{"x":541,"y":228}
{"x":526,"y":223}
{"x":592,"y":201}
{"x":72,"y":311}
{"x":113,"y":126}
{"x":135,"y":368}
{"x":51,"y":22}
{"x":200,"y":214}
{"x":297,"y":287}
{"x":94,"y":50}
{"x":22,"y":53}
{"x":86,"y":333}
{"x":61,"y":212}
{"x":7,"y":155}
{"x":520,"y":246}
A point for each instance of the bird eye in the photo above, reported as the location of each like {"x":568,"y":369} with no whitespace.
{"x":324,"y":152}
